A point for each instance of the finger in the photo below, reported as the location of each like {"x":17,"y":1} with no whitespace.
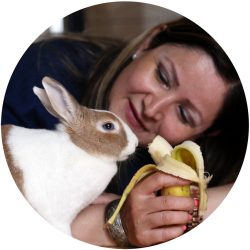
{"x":168,"y":233}
{"x":168,"y":218}
{"x":164,"y":234}
{"x":158,"y":181}
{"x":161,"y":203}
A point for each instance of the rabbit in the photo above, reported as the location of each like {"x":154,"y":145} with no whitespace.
{"x":62,"y":171}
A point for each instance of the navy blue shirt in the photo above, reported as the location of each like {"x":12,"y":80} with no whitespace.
{"x":52,"y":58}
{"x":67,"y":61}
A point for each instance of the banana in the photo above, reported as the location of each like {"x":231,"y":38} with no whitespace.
{"x":177,"y":191}
{"x":184,"y":160}
{"x":158,"y":149}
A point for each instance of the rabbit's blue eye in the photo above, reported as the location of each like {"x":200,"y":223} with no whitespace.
{"x":108,"y":126}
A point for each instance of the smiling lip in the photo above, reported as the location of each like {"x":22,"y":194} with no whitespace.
{"x":133,"y":118}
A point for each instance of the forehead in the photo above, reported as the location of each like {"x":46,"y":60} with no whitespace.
{"x":183,"y":52}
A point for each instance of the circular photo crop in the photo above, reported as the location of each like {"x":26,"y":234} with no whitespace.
{"x":125,"y":125}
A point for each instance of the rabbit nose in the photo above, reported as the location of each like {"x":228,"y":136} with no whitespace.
{"x":133,"y":145}
{"x":136,"y":141}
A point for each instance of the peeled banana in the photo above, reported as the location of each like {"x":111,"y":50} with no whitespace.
{"x":177,"y":191}
{"x":184,"y":160}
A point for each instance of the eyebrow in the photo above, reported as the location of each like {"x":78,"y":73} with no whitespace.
{"x":174,"y":78}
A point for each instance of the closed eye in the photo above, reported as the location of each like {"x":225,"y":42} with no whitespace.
{"x":162,"y":75}
{"x":185,"y":117}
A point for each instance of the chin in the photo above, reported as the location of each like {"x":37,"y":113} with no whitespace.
{"x":143,"y":142}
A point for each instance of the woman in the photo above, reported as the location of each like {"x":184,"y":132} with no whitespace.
{"x":187,"y":89}
{"x":175,"y":81}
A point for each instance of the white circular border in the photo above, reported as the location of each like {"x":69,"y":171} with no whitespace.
{"x":22,"y":22}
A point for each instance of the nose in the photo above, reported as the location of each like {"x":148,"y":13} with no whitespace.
{"x":155,"y":106}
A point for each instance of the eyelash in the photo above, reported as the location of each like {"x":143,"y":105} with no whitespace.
{"x":163,"y":77}
{"x":183,"y":116}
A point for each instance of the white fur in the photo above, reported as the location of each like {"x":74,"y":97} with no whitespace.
{"x":59,"y":178}
{"x":132,"y":142}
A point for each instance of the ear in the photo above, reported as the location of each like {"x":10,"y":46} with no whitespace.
{"x":57,"y":100}
{"x":149,"y":37}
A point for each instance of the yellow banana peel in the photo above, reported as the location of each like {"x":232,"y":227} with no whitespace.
{"x":184,"y":160}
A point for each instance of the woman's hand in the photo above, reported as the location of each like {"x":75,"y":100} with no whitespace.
{"x":149,"y":219}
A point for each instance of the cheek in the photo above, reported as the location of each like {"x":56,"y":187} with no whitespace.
{"x":123,"y":85}
{"x":118,"y":93}
{"x":174,"y":131}
{"x":140,"y":76}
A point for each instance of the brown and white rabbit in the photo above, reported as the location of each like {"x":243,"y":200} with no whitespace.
{"x":62,"y":171}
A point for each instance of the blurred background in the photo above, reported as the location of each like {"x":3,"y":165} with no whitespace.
{"x":122,"y":20}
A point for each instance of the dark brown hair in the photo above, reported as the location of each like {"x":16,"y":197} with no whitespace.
{"x":223,"y":152}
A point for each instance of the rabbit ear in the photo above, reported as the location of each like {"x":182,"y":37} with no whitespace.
{"x":57,"y":100}
{"x":41,"y":94}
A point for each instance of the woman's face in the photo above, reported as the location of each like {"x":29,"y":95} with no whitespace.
{"x":172,"y":91}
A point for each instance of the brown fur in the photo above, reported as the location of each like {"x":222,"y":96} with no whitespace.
{"x":84,"y":134}
{"x":15,"y":171}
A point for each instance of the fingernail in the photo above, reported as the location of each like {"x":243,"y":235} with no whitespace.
{"x":190,"y":217}
{"x":184,"y":227}
{"x":196,"y":202}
